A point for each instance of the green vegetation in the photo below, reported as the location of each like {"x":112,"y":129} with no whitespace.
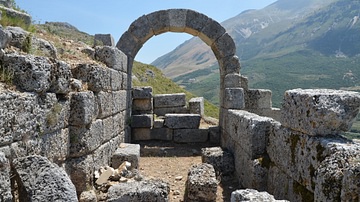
{"x":6,"y":76}
{"x":148,"y":75}
{"x":15,"y":21}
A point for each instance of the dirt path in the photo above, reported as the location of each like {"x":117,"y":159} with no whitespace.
{"x":171,"y":162}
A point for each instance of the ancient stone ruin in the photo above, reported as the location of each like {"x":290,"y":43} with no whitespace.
{"x":76,"y":120}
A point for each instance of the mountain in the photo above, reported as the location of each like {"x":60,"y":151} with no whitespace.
{"x":288,"y":44}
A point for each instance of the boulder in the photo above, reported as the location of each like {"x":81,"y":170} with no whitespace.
{"x":40,"y":180}
{"x":252,"y":195}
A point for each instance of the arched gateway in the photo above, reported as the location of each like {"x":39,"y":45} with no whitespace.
{"x":196,"y":24}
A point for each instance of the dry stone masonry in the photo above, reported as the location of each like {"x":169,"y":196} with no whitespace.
{"x":75,"y":121}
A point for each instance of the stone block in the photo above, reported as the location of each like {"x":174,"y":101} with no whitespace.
{"x":158,"y":123}
{"x":40,"y":180}
{"x":211,"y":32}
{"x":350,"y":184}
{"x":43,"y":47}
{"x":60,"y":78}
{"x":201,"y":184}
{"x":30,"y":73}
{"x":18,"y":36}
{"x":56,"y":146}
{"x":5,"y":185}
{"x":81,"y":172}
{"x":250,"y":131}
{"x":165,"y":134}
{"x":83,"y":108}
{"x":139,"y":134}
{"x":105,"y":104}
{"x":214,"y":134}
{"x":258,"y":99}
{"x":5,"y":38}
{"x":320,"y":111}
{"x":147,"y":190}
{"x":196,"y":106}
{"x":141,"y":29}
{"x":195,"y":22}
{"x":126,"y":152}
{"x":120,"y":100}
{"x":252,"y":195}
{"x":169,"y":100}
{"x":224,"y":46}
{"x":112,"y":57}
{"x":84,"y":140}
{"x":233,"y":81}
{"x":188,"y":121}
{"x":104,"y":40}
{"x":222,"y":161}
{"x":159,"y":21}
{"x":142,"y":121}
{"x":171,"y":110}
{"x":129,"y":45}
{"x":234,"y":98}
{"x":142,"y":105}
{"x":142,"y":92}
{"x":229,"y":65}
{"x":191,"y":135}
{"x":177,"y":18}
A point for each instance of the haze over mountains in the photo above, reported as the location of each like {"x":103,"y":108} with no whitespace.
{"x":288,"y":44}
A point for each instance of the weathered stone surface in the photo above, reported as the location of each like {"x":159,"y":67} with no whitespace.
{"x":196,"y":106}
{"x":250,"y":130}
{"x":126,"y":152}
{"x":142,"y":92}
{"x":55,"y":146}
{"x":201,"y":184}
{"x":350,"y":184}
{"x":330,"y":176}
{"x":60,"y":76}
{"x":148,"y":190}
{"x":177,"y":18}
{"x":258,"y":99}
{"x":18,"y":36}
{"x":191,"y":135}
{"x":142,"y":105}
{"x":129,"y":45}
{"x":5,"y":38}
{"x":188,"y":121}
{"x":169,"y":100}
{"x":159,"y":21}
{"x":229,"y":65}
{"x":214,"y":134}
{"x":320,"y":111}
{"x":211,"y":32}
{"x":233,"y":81}
{"x":5,"y":186}
{"x":81,"y":172}
{"x":222,"y":161}
{"x":84,"y":140}
{"x":171,"y":110}
{"x":88,"y":196}
{"x":142,"y":121}
{"x":195,"y":22}
{"x":103,"y":40}
{"x":40,"y":180}
{"x":224,"y":46}
{"x":110,"y":103}
{"x":138,"y":134}
{"x":234,"y":98}
{"x":251,"y":195}
{"x":112,"y":57}
{"x":83,"y":108}
{"x":161,"y":134}
{"x":158,"y":123}
{"x":44,"y":47}
{"x":141,"y":29}
{"x":30,"y":73}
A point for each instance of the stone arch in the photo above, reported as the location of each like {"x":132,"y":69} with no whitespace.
{"x":196,"y":24}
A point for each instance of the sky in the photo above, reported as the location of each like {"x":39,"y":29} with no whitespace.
{"x":114,"y":17}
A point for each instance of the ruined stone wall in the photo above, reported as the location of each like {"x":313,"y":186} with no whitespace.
{"x":75,"y":117}
{"x":303,"y":158}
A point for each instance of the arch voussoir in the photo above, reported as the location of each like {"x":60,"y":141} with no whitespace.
{"x":141,"y":29}
{"x":224,"y":46}
{"x":177,"y":18}
{"x":159,"y":21}
{"x":211,"y":32}
{"x":229,"y":65}
{"x":195,"y":22}
{"x":129,"y":45}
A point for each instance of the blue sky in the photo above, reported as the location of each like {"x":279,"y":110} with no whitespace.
{"x":114,"y":17}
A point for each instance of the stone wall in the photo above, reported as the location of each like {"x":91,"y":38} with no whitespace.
{"x":75,"y":117}
{"x":303,"y":158}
